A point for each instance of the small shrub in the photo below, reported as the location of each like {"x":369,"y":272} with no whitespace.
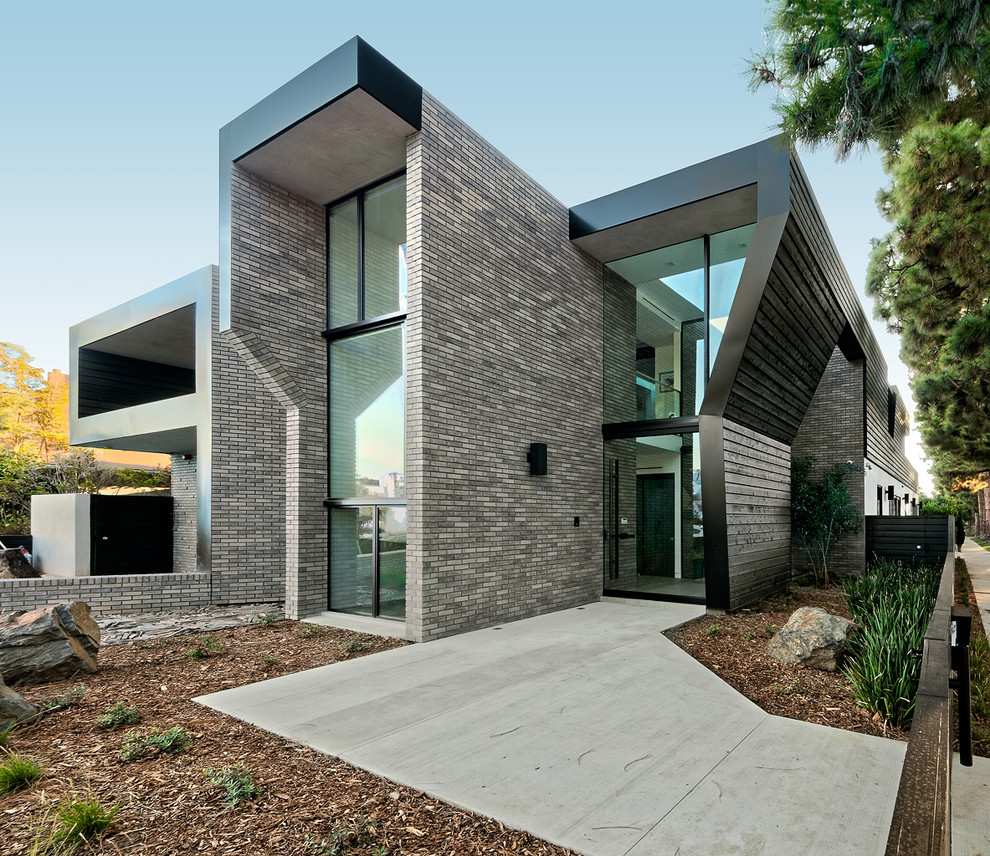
{"x":18,"y":772}
{"x":893,"y":603}
{"x":118,"y":715}
{"x":354,"y":643}
{"x":207,"y":645}
{"x":65,"y":700}
{"x":172,"y":741}
{"x":356,"y":835}
{"x":307,"y":631}
{"x":237,"y":783}
{"x":269,"y":660}
{"x":749,"y":635}
{"x":79,"y":822}
{"x":714,"y":630}
{"x":771,"y":630}
{"x":269,"y":616}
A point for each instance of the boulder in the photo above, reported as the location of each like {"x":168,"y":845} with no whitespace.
{"x":48,"y":644}
{"x":814,"y":638}
{"x":13,"y":708}
{"x":13,"y":566}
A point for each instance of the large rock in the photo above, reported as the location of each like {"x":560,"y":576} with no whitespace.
{"x":813,"y":637}
{"x":13,"y":566}
{"x":48,"y":644}
{"x":13,"y":708}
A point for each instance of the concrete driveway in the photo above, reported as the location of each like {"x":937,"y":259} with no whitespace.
{"x":590,"y":729}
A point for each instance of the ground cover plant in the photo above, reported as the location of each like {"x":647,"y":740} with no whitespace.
{"x":893,"y":603}
{"x":18,"y":772}
{"x":308,"y":803}
{"x":77,"y":822}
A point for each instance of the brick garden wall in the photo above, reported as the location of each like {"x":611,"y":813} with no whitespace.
{"x":115,"y":594}
{"x":183,"y":514}
{"x":505,"y":349}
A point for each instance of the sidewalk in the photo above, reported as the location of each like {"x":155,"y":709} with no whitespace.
{"x":589,"y":728}
{"x":971,"y":786}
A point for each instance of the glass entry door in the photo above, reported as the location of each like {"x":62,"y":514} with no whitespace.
{"x":654,"y":527}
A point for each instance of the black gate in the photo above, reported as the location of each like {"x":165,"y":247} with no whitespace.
{"x":130,"y":535}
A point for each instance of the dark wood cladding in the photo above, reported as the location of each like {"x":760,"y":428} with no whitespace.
{"x":130,"y":535}
{"x":796,"y":328}
{"x":911,"y":539}
{"x":111,"y":382}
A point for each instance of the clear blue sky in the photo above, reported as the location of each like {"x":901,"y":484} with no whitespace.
{"x":110,"y":111}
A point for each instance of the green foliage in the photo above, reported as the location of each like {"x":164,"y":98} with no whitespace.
{"x":928,"y":277}
{"x":207,"y":645}
{"x":851,"y":72}
{"x":172,"y":741}
{"x":79,"y":822}
{"x":237,"y":783}
{"x":64,"y":700}
{"x":714,"y":630}
{"x":268,"y":617}
{"x":18,"y":772}
{"x":118,"y":715}
{"x":821,"y":510}
{"x":307,"y":631}
{"x":354,"y":643}
{"x":893,"y":603}
{"x":349,"y":836}
{"x":6,"y":735}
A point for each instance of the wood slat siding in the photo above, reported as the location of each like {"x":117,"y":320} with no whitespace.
{"x":880,"y":446}
{"x":922,"y":813}
{"x":757,"y":510}
{"x":906,"y":539}
{"x":111,"y":382}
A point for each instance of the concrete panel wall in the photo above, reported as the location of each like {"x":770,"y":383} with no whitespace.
{"x":60,"y":529}
{"x":505,"y":346}
{"x":832,"y":433}
{"x":183,"y":513}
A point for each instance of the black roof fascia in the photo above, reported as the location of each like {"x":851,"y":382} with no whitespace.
{"x":722,"y":174}
{"x":354,"y":65}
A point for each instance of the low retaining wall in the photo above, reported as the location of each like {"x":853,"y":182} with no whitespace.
{"x":125,"y":593}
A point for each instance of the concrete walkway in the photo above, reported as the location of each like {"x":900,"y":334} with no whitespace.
{"x":590,"y":729}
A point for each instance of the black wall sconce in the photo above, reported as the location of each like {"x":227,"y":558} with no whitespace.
{"x":537,"y":458}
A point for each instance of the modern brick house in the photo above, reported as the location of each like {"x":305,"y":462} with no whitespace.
{"x":355,"y":399}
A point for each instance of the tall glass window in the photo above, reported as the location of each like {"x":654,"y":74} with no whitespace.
{"x":659,"y":348}
{"x":654,"y":525}
{"x":367,"y":346}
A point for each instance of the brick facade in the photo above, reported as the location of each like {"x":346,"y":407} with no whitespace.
{"x":505,"y":349}
{"x":832,"y":433}
{"x":269,"y":422}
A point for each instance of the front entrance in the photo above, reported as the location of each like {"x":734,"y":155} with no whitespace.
{"x":653,"y":528}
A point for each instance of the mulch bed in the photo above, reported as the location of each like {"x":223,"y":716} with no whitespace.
{"x":308,"y":802}
{"x":734,"y":647}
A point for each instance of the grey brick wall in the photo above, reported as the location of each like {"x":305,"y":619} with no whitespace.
{"x":832,"y":433}
{"x":758,"y":513}
{"x":505,"y":342}
{"x":269,"y":404}
{"x":183,"y":514}
{"x":117,"y":594}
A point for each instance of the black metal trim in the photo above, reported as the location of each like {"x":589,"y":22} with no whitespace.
{"x":380,"y":323}
{"x":650,"y":428}
{"x":360,"y":501}
{"x":711,"y":441}
{"x":707,"y":299}
{"x":648,"y":595}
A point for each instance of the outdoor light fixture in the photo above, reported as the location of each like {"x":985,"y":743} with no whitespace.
{"x":537,"y":458}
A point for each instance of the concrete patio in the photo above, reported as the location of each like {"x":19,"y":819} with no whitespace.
{"x":590,"y":729}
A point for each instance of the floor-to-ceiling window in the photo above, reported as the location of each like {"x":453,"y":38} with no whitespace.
{"x":366,"y":237}
{"x":665,"y":315}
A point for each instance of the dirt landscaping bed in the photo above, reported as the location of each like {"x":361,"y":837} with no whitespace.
{"x":734,"y":647}
{"x":310,"y":803}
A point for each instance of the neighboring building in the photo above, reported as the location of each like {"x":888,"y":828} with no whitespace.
{"x":400,"y":313}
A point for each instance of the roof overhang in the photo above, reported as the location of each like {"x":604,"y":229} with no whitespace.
{"x":340,"y":125}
